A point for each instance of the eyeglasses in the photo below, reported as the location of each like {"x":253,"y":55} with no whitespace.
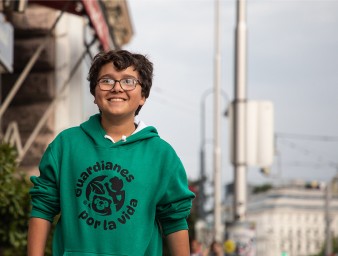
{"x":127,"y":84}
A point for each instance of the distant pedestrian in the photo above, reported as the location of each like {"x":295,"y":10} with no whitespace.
{"x":196,"y":248}
{"x":216,"y":249}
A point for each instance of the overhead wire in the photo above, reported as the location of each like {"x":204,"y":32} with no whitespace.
{"x":307,"y":137}
{"x":323,"y":160}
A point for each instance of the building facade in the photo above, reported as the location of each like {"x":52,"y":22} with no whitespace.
{"x":293,"y":220}
{"x":43,"y":88}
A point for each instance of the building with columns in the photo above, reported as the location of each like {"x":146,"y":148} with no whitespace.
{"x":294,"y":219}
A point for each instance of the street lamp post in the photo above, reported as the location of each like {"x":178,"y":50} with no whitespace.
{"x":202,"y":157}
{"x":328,"y":197}
{"x":240,"y":115}
{"x":218,"y":232}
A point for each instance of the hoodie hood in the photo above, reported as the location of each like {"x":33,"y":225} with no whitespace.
{"x":95,"y":131}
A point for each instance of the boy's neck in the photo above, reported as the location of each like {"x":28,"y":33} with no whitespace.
{"x":117,"y":129}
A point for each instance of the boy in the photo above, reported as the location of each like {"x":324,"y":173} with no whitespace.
{"x":116,"y":183}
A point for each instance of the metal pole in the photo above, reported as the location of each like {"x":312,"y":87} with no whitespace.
{"x":218,"y":232}
{"x":328,"y":237}
{"x":240,"y":115}
{"x":201,"y":191}
{"x":202,"y":213}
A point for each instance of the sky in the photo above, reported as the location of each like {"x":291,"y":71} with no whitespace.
{"x":292,"y":61}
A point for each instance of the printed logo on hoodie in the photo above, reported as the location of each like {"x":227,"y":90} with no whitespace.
{"x":101,"y":188}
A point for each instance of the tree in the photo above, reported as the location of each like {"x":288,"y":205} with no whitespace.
{"x":334,"y":249}
{"x":262,"y":188}
{"x":14,"y":204}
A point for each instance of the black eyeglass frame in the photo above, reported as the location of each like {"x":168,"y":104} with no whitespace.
{"x":112,"y":83}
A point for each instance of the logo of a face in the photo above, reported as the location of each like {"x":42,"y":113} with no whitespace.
{"x":102,"y":192}
{"x":101,"y":205}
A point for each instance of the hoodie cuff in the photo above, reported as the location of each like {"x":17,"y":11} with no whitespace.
{"x":172,"y":226}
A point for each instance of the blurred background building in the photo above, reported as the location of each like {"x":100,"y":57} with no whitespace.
{"x":46,"y":50}
{"x":296,"y":219}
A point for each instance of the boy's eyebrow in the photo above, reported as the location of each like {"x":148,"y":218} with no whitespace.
{"x":112,"y":77}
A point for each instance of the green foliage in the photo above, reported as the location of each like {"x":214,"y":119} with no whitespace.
{"x":262,"y":188}
{"x":334,"y":247}
{"x":14,"y":204}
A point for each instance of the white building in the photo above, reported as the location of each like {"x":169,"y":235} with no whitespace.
{"x":292,"y":219}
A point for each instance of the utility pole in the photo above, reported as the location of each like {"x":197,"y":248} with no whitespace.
{"x":328,"y":237}
{"x":239,"y":231}
{"x":218,"y":230}
{"x":240,"y":99}
{"x":202,"y":179}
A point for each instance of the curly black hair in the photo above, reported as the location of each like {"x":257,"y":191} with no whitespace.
{"x":122,"y":59}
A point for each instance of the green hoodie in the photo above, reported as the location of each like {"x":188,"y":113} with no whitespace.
{"x":114,"y":198}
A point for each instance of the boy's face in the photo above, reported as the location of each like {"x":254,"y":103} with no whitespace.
{"x":118,"y":103}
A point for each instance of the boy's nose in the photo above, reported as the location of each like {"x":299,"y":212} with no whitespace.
{"x":117,"y":87}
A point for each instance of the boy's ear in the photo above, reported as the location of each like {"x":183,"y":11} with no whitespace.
{"x":143,"y":101}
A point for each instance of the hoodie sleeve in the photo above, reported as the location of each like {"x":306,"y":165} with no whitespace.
{"x":174,"y":207}
{"x":45,"y":193}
